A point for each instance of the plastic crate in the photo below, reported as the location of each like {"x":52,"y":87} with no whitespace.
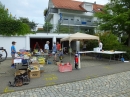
{"x":65,"y":67}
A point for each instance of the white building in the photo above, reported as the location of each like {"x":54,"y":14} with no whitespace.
{"x":75,"y":15}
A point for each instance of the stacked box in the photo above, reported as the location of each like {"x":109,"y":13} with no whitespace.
{"x":41,"y":68}
{"x":34,"y":73}
{"x":34,"y":70}
{"x":19,"y":72}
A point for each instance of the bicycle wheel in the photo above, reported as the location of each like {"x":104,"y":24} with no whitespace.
{"x":3,"y":55}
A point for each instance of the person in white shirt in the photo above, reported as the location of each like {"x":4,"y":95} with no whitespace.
{"x":46,"y":47}
{"x":100,"y":46}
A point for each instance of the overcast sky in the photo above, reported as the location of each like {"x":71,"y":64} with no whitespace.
{"x":33,"y":9}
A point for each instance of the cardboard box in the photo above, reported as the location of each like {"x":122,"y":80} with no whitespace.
{"x":41,"y":71}
{"x":35,"y":64}
{"x":41,"y":68}
{"x":19,"y":72}
{"x":58,"y":63}
{"x":34,"y":74}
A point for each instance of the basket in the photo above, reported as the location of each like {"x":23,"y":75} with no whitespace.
{"x":65,"y":67}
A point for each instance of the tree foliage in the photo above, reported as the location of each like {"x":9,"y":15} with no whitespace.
{"x":31,"y":24}
{"x":13,"y":27}
{"x":47,"y":26}
{"x":45,"y":11}
{"x":116,"y":17}
{"x":110,"y":41}
{"x":9,"y":25}
{"x":64,"y":29}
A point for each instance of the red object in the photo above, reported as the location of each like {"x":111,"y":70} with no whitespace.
{"x":76,"y":59}
{"x":36,"y":45}
{"x":65,"y":67}
{"x":58,"y":46}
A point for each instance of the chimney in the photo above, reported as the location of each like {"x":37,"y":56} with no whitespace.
{"x":95,"y":2}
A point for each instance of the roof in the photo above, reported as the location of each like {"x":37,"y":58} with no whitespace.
{"x":80,"y":36}
{"x":97,"y":7}
{"x":68,"y":4}
{"x":73,"y":5}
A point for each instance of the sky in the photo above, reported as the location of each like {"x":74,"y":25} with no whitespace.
{"x":33,"y":9}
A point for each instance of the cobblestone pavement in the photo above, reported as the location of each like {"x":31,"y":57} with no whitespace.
{"x":116,"y":85}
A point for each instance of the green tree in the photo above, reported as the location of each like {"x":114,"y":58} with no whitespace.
{"x":64,"y":29}
{"x":110,"y":41}
{"x":47,"y":26}
{"x":31,"y":24}
{"x":4,"y":14}
{"x":9,"y":25}
{"x":115,"y":17}
{"x":45,"y":11}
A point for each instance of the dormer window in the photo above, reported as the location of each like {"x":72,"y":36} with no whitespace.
{"x":88,"y":7}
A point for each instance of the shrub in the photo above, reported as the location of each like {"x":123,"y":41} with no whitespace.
{"x":127,"y":54}
{"x":110,"y":41}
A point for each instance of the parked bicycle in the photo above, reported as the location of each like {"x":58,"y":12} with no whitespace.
{"x":3,"y":54}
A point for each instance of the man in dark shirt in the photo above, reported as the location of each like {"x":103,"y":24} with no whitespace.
{"x":36,"y":46}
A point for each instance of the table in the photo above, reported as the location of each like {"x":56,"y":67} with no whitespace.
{"x":46,"y":55}
{"x":101,"y":52}
{"x":19,"y":61}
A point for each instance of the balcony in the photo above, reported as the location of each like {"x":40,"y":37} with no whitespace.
{"x":78,"y":23}
{"x":50,"y":12}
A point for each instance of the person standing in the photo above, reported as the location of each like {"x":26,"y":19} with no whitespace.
{"x":100,"y":47}
{"x":54,"y":51}
{"x":36,"y":46}
{"x":13,"y":52}
{"x":46,"y":47}
{"x":58,"y":46}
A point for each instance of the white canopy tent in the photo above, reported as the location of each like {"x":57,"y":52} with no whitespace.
{"x":77,"y":37}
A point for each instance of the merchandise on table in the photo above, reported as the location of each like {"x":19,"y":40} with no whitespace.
{"x":41,"y":60}
{"x":34,"y":59}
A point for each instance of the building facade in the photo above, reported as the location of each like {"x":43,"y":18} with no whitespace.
{"x":73,"y":15}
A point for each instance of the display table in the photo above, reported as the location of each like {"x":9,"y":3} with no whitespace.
{"x":18,"y":61}
{"x":46,"y":55}
{"x":102,"y":52}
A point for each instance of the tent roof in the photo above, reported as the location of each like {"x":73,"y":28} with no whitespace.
{"x":79,"y":36}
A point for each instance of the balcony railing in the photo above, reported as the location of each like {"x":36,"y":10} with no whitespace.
{"x":81,"y":23}
{"x":51,"y":10}
{"x":66,"y":29}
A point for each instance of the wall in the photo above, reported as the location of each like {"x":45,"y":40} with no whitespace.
{"x":56,"y":18}
{"x":50,"y":4}
{"x":6,"y":42}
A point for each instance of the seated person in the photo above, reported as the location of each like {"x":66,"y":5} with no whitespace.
{"x":60,"y":54}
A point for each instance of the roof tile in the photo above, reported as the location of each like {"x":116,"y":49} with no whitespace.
{"x":74,"y":5}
